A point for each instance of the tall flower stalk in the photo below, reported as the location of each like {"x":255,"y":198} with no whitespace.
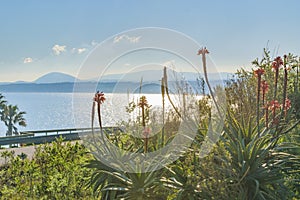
{"x":266,"y":107}
{"x":273,"y":106}
{"x":165,"y":78}
{"x":93,"y":116}
{"x":285,"y":80}
{"x":203,"y":53}
{"x":163,"y":111}
{"x":98,"y":100}
{"x":264,"y":88}
{"x":287,"y":106}
{"x":277,"y":63}
{"x":258,"y":73}
{"x":143,"y":104}
{"x":297,"y":76}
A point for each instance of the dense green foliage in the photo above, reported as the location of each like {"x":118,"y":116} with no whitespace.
{"x":55,"y":172}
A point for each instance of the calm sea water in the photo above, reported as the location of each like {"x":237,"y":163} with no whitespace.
{"x":63,"y":110}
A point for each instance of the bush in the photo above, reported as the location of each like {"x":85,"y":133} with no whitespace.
{"x":55,"y":172}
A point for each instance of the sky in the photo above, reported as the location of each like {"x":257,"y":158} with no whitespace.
{"x":38,"y":37}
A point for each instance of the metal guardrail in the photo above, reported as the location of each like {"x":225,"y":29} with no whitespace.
{"x":46,"y":136}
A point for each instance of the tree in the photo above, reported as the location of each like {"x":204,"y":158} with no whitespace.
{"x":2,"y":102}
{"x":11,"y":116}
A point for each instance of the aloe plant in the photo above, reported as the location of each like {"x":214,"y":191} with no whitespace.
{"x":179,"y":181}
{"x":259,"y":164}
{"x":112,"y":184}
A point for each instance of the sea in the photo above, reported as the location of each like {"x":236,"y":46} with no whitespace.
{"x":47,"y":111}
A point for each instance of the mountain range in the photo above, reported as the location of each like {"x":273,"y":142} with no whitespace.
{"x":146,"y":75}
{"x":61,"y":82}
{"x":55,"y":77}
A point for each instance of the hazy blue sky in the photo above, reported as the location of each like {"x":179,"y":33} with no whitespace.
{"x":38,"y":37}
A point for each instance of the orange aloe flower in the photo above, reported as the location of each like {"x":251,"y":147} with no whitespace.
{"x":99,"y":97}
{"x":258,"y":72}
{"x":277,"y":63}
{"x":203,"y":51}
{"x":288,"y":104}
{"x":274,"y":104}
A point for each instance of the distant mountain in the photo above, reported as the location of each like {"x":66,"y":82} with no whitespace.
{"x":119,"y":83}
{"x":55,"y":77}
{"x":147,"y":75}
{"x":16,"y":82}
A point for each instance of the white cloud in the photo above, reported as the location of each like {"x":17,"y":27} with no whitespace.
{"x":58,"y":49}
{"x":133,"y":39}
{"x":28,"y":60}
{"x":127,"y":64}
{"x":94,"y":43}
{"x":81,"y":50}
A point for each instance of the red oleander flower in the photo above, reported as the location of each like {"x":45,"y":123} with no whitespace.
{"x":273,"y":105}
{"x":258,"y":72}
{"x":277,"y":63}
{"x":264,"y":86}
{"x":99,"y":97}
{"x":203,"y":51}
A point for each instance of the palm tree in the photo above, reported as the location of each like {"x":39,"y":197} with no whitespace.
{"x":2,"y":102}
{"x":11,"y":116}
